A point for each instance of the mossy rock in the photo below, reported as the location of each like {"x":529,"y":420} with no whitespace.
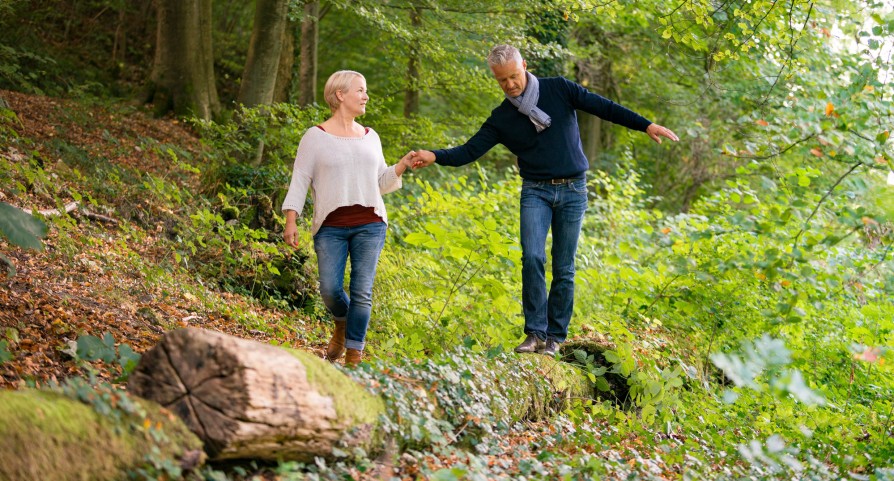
{"x":48,"y":436}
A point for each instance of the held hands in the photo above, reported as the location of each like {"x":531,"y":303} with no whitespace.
{"x":656,"y":131}
{"x":415,"y":159}
{"x":423,"y":158}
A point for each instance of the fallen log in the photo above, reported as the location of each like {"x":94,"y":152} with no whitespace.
{"x":48,"y":436}
{"x":246,"y":399}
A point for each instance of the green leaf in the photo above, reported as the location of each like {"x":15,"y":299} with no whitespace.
{"x":417,"y":239}
{"x":5,"y":356}
{"x":803,"y":180}
{"x":452,"y":474}
{"x":22,"y":229}
{"x":127,"y":358}
{"x":92,"y":348}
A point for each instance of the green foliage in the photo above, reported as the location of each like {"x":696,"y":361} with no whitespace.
{"x":458,"y":257}
{"x":245,"y":259}
{"x":90,"y":348}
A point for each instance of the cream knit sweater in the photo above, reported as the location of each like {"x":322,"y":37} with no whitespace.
{"x":342,"y":171}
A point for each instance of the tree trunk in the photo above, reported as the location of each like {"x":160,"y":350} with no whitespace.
{"x":307,"y":68}
{"x":182,"y":76}
{"x":595,"y":73}
{"x":50,"y":437}
{"x":259,"y":75}
{"x":286,"y":64}
{"x":246,"y":399}
{"x":411,"y":98}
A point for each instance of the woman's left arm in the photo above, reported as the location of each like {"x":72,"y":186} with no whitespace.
{"x":388,"y":181}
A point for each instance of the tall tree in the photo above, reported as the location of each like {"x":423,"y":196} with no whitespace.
{"x":307,"y":66}
{"x":411,"y":97}
{"x":286,"y":64}
{"x":182,"y":77}
{"x":261,"y":66}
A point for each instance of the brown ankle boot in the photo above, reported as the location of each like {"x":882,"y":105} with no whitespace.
{"x":336,"y":346}
{"x":353,"y":358}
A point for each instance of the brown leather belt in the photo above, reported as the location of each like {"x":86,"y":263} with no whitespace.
{"x":559,"y":181}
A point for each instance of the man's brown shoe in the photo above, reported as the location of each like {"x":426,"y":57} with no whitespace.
{"x":551,"y":348}
{"x":353,"y":357}
{"x":530,"y":344}
{"x":336,"y":346}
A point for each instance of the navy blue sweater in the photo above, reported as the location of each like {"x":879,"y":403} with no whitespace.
{"x":554,"y":153}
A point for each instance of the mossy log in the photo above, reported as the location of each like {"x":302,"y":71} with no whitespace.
{"x":247,"y":399}
{"x":48,"y":436}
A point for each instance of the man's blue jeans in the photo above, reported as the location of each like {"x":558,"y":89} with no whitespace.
{"x":559,"y":207}
{"x":362,"y":244}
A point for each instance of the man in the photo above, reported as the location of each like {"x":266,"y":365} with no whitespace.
{"x":538,"y":123}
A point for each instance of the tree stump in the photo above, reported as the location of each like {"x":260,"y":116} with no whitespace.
{"x":246,"y":399}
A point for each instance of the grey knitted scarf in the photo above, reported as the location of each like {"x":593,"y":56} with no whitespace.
{"x":526,"y":103}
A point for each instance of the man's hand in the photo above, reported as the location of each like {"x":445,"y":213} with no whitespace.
{"x":423,"y":158}
{"x":656,"y":131}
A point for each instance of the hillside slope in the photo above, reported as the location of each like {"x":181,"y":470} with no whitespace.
{"x":95,"y":277}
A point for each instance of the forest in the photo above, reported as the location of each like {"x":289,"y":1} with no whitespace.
{"x":734,"y":290}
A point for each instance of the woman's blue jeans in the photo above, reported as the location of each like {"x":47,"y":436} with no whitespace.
{"x":559,"y":207}
{"x":362,"y":244}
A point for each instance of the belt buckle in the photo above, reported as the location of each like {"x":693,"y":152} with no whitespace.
{"x":558,"y":181}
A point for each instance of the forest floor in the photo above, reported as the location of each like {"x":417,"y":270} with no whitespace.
{"x":107,"y":286}
{"x":46,"y":306}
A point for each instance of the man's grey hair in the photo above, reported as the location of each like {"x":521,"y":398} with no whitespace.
{"x":503,"y":55}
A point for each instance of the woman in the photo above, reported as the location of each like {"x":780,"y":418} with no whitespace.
{"x":343,"y":162}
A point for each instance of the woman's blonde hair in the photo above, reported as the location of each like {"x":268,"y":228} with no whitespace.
{"x":339,"y":81}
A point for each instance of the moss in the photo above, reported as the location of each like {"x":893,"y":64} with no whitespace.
{"x":352,"y":402}
{"x":48,"y":436}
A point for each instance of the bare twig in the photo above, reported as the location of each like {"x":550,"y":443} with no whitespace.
{"x":820,"y":203}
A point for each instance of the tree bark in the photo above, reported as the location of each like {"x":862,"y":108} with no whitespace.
{"x":182,"y":78}
{"x":286,"y":64}
{"x":259,"y":75}
{"x":411,"y":97}
{"x":246,"y":399}
{"x":307,"y":67}
{"x":595,"y":73}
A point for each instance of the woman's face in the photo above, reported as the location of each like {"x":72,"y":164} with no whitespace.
{"x":353,"y":100}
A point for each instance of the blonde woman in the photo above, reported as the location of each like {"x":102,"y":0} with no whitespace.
{"x":342,"y":162}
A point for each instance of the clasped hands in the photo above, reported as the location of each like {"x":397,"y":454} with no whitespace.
{"x":416,"y":159}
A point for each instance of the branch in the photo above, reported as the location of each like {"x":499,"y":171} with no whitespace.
{"x":69,"y":208}
{"x":823,"y":199}
{"x":777,"y":154}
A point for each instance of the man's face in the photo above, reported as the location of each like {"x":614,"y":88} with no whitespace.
{"x":511,"y":77}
